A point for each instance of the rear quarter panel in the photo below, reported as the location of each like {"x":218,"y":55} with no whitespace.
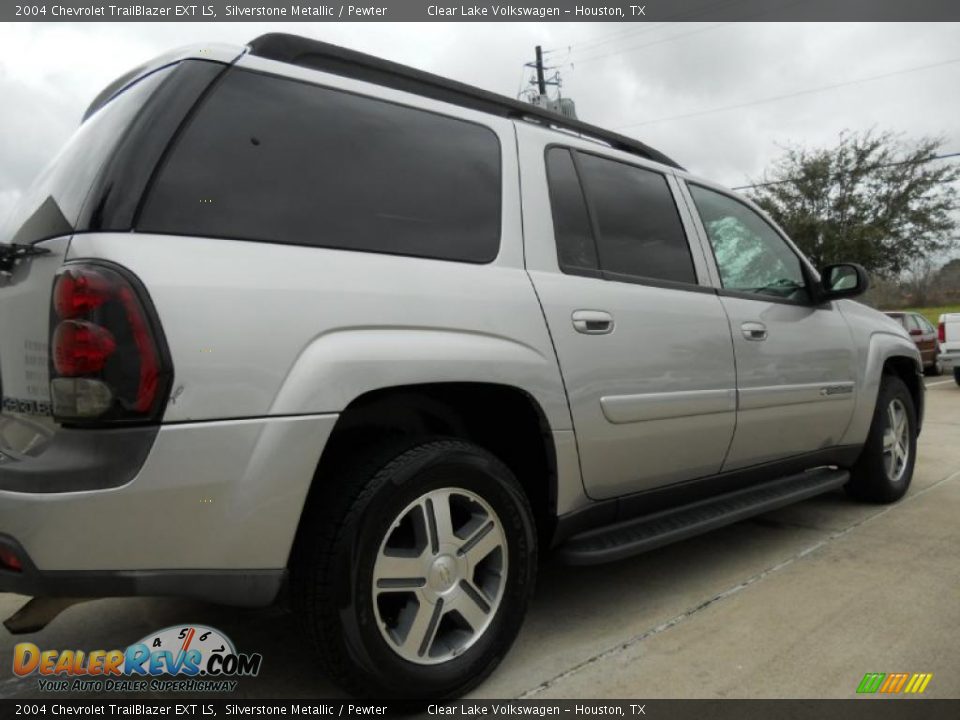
{"x":951,"y":329}
{"x":257,"y":329}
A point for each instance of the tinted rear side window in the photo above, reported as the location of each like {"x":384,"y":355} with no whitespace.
{"x":576,"y":250}
{"x":52,"y":205}
{"x":641,"y":234}
{"x":278,"y":160}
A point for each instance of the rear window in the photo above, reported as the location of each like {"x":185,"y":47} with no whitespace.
{"x":52,"y":205}
{"x":277,"y":160}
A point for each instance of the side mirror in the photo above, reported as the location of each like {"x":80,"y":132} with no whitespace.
{"x":845,"y":280}
{"x":916,"y":331}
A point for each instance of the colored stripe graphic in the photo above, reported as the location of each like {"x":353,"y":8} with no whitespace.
{"x":871,"y":682}
{"x":892,"y":683}
{"x":918,"y":683}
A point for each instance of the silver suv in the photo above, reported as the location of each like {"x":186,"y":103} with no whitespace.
{"x":292,"y":316}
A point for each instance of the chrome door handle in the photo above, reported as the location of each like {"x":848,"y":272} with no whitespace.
{"x":592,"y":322}
{"x":754,"y":330}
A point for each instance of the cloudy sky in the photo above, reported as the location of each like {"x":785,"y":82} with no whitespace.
{"x":670,"y":84}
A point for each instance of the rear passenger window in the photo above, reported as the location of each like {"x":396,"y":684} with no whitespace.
{"x":640,"y":233}
{"x":576,"y":250}
{"x":272,"y":159}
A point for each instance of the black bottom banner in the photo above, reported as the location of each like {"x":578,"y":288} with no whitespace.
{"x":859,"y":709}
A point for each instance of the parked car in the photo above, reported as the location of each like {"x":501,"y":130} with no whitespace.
{"x":924,"y":336}
{"x":292,"y":316}
{"x":948,"y":333}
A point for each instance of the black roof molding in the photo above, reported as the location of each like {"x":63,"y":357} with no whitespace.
{"x":337,"y":60}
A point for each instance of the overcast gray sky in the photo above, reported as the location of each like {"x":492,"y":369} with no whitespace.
{"x":627,"y":77}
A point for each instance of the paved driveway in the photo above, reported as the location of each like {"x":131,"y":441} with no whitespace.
{"x":800,"y":602}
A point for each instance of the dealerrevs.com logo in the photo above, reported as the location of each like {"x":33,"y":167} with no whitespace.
{"x":183,"y":658}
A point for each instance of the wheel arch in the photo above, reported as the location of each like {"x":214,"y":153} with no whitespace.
{"x":503,"y":419}
{"x":885,"y":353}
{"x":905,"y":368}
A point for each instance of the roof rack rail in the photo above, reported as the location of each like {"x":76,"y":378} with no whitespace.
{"x":337,"y":60}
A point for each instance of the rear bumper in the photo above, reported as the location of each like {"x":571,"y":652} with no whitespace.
{"x":79,"y":460}
{"x":248,"y":588}
{"x":211,"y":513}
{"x":949,"y":359}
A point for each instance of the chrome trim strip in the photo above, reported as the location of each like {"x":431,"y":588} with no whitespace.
{"x":620,"y":409}
{"x":778,"y":395}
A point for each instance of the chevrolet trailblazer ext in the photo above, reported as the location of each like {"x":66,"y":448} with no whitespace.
{"x":289,"y":315}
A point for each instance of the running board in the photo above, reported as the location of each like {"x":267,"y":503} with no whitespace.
{"x":637,"y":535}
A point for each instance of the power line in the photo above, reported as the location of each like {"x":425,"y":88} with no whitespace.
{"x":703,"y":11}
{"x":594,"y":43}
{"x":774,"y":98}
{"x":873,"y":167}
{"x":603,"y":39}
{"x":682,"y":17}
{"x":657,"y":42}
{"x":523,"y":78}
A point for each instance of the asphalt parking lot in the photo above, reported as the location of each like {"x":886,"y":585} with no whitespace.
{"x":796,"y":603}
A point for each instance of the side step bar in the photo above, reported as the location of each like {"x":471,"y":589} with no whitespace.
{"x":637,"y":535}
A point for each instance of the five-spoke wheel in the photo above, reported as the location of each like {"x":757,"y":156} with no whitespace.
{"x":896,"y":440}
{"x":413,"y":572}
{"x":884,"y":469}
{"x":439,"y":576}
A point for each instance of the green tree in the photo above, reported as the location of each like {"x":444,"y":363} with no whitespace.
{"x":874,"y":198}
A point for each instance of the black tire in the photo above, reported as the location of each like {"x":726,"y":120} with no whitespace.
{"x":870,"y":480}
{"x":338,"y":544}
{"x":956,"y":375}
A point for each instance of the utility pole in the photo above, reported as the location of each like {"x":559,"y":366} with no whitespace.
{"x":541,"y":82}
{"x":558,"y":104}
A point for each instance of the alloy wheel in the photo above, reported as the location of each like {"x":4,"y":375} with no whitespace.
{"x":439,"y":576}
{"x":896,"y":440}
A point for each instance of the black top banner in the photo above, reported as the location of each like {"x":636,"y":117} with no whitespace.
{"x":638,"y":11}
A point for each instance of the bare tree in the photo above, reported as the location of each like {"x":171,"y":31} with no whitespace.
{"x":885,"y":294}
{"x":948,"y":279}
{"x":920,"y":281}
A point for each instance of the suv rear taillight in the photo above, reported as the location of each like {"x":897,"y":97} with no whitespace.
{"x":9,"y":560}
{"x":108,"y":358}
{"x":942,"y":332}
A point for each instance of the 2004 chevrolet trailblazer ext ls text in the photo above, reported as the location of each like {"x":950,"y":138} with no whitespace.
{"x":289,"y":314}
